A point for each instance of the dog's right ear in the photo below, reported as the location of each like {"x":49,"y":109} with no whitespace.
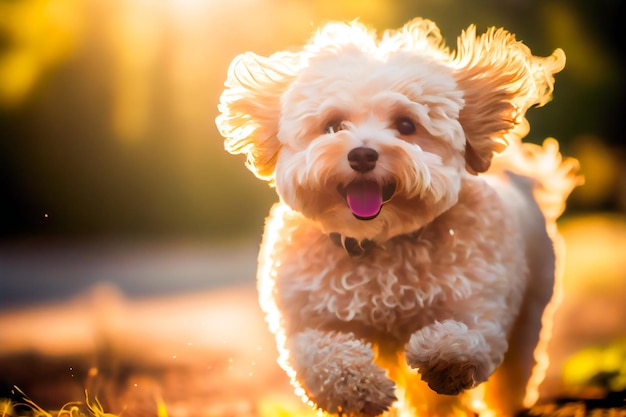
{"x":250,"y":108}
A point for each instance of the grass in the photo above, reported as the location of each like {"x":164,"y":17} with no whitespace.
{"x":91,"y":407}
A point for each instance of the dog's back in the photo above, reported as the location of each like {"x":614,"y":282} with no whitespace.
{"x":535,"y":181}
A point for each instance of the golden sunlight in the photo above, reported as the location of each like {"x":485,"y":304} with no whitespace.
{"x":590,"y":323}
{"x":39,"y":35}
{"x":112,"y":105}
{"x":135,"y":32}
{"x":179,"y":42}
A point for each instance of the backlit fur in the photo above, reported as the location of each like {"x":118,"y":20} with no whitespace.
{"x":462,"y":265}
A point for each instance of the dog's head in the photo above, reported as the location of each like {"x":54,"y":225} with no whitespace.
{"x":371,"y":137}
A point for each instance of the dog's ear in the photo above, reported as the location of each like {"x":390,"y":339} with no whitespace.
{"x":250,"y":108}
{"x":501,"y":79}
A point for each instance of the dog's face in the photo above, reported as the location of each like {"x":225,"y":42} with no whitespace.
{"x":371,"y":138}
{"x":370,"y":147}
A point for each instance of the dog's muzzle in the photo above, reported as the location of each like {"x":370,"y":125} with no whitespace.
{"x":353,"y":247}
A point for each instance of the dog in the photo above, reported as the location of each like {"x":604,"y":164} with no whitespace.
{"x":411,"y":258}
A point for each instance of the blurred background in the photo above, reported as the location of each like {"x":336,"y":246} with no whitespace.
{"x":112,"y":170}
{"x":107,"y":107}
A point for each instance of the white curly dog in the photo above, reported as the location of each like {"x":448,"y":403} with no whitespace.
{"x":405,"y":264}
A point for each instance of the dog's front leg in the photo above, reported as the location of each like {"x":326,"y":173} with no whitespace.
{"x":452,"y":357}
{"x":337,"y":372}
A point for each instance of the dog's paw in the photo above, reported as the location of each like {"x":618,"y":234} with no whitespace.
{"x":338,"y":374}
{"x":452,"y":378}
{"x":450,"y":357}
{"x":355,"y":392}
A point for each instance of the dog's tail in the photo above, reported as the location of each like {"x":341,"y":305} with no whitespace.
{"x":553,"y":177}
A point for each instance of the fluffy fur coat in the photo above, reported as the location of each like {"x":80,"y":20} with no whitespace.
{"x":405,"y":269}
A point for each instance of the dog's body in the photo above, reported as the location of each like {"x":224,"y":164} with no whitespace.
{"x":387,"y":249}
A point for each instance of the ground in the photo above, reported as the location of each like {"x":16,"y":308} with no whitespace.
{"x":178,"y":326}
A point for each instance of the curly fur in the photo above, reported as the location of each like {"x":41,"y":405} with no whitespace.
{"x":449,"y":291}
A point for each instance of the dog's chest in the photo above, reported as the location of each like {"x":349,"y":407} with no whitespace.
{"x":394,"y":289}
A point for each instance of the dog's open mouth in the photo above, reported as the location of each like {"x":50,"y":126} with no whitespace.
{"x":366,"y":197}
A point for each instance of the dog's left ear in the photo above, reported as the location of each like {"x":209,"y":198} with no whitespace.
{"x":501,"y":79}
{"x":250,"y":108}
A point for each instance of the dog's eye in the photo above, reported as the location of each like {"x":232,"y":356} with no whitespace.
{"x":405,"y":126}
{"x":334,"y":126}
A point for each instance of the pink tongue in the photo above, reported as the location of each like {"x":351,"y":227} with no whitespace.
{"x":364,"y":198}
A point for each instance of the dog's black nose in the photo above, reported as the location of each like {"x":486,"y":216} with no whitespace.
{"x":362,"y":159}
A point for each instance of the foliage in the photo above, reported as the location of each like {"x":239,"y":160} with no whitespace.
{"x":601,"y":367}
